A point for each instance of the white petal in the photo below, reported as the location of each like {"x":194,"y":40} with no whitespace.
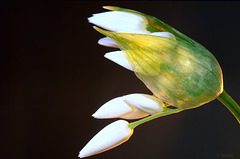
{"x":119,"y":58}
{"x":106,"y":41}
{"x":136,"y":114}
{"x":109,"y":137}
{"x":146,"y":103}
{"x":114,"y":108}
{"x":119,"y":21}
{"x":163,"y":34}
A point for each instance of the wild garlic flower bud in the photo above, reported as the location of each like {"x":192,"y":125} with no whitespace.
{"x":146,"y":103}
{"x":109,"y":137}
{"x":132,"y":106}
{"x":119,"y":58}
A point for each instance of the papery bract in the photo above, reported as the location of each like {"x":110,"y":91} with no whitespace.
{"x":181,"y":74}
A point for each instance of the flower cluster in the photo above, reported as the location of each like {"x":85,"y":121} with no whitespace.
{"x":176,"y":69}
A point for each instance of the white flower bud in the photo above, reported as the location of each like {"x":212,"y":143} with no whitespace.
{"x":109,"y":137}
{"x":119,"y":21}
{"x":114,"y":108}
{"x":136,"y":114}
{"x":146,"y":103}
{"x":132,"y":106}
{"x":106,"y":41}
{"x":119,"y":58}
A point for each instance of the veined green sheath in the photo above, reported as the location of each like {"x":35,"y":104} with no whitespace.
{"x":181,"y":74}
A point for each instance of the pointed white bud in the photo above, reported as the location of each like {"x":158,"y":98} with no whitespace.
{"x":106,"y":41}
{"x":164,"y":34}
{"x":136,"y":114}
{"x":146,"y":103}
{"x":109,"y":137}
{"x":119,"y":58}
{"x":119,"y":21}
{"x":114,"y":108}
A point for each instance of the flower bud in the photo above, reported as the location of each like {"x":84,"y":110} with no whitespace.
{"x":146,"y":103}
{"x":119,"y":58}
{"x":109,"y":137}
{"x":132,"y":106}
{"x":136,"y":114}
{"x":119,"y":21}
{"x":106,"y":41}
{"x":114,"y":108}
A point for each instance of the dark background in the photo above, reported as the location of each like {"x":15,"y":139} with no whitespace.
{"x":54,"y":77}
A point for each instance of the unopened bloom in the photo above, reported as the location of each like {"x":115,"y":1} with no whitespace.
{"x":132,"y":106}
{"x":109,"y":137}
{"x":120,"y":58}
{"x":146,"y":103}
{"x":120,"y":21}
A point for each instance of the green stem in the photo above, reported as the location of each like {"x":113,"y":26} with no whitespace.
{"x":144,"y":120}
{"x":230,"y":104}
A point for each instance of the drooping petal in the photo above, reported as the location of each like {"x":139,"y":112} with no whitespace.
{"x":109,"y":137}
{"x":106,"y":41}
{"x":119,"y":58}
{"x":114,"y":108}
{"x":146,"y":103}
{"x":119,"y":21}
{"x":136,"y":114}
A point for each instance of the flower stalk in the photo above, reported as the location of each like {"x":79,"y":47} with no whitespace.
{"x":232,"y":106}
{"x":164,"y":113}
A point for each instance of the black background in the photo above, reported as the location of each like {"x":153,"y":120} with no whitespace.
{"x":54,"y":77}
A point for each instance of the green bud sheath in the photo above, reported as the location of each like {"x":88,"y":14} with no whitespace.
{"x":182,"y":74}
